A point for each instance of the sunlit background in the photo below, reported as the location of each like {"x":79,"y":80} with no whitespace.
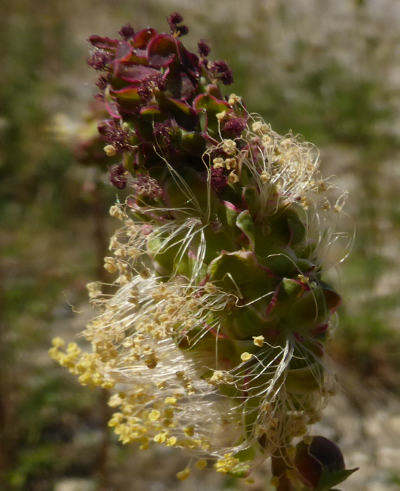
{"x":329,"y":70}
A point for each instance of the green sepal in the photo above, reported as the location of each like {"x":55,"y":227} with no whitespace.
{"x":246,"y":322}
{"x":229,"y":214}
{"x":240,"y":273}
{"x":304,"y":312}
{"x":291,"y":287}
{"x":282,"y":263}
{"x":212,"y":106}
{"x":250,"y":195}
{"x":245,"y":222}
{"x":304,"y":380}
{"x":192,"y":142}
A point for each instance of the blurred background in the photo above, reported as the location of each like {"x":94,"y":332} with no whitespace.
{"x":327,"y":70}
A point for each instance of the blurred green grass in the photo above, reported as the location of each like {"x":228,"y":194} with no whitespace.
{"x":331,"y":75}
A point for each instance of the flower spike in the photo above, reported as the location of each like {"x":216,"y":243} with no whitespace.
{"x":214,"y":337}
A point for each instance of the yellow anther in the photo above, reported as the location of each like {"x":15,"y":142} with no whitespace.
{"x":154,"y":415}
{"x":110,"y":264}
{"x":160,"y":438}
{"x":116,"y":212}
{"x":110,"y":150}
{"x":182,"y":475}
{"x":171,"y":441}
{"x":218,"y":163}
{"x":189,"y":431}
{"x":256,"y":126}
{"x":229,"y":147}
{"x":303,"y":279}
{"x":201,"y":464}
{"x":233,"y":178}
{"x":234,"y":99}
{"x":265,"y":177}
{"x":245,"y":356}
{"x":93,"y":289}
{"x":230,"y":164}
{"x":258,"y":341}
{"x":58,"y":342}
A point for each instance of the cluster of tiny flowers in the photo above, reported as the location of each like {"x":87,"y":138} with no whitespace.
{"x":160,"y":397}
{"x":212,"y":334}
{"x":151,"y":338}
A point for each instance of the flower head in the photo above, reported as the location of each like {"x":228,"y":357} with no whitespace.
{"x":214,"y":336}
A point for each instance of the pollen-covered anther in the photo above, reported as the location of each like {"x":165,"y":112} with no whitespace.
{"x":154,"y":415}
{"x":151,"y":361}
{"x":220,"y":377}
{"x":171,"y":441}
{"x":58,"y":342}
{"x":245,"y":356}
{"x":233,"y":178}
{"x":260,"y":127}
{"x":267,"y":141}
{"x":228,"y":463}
{"x":258,"y":341}
{"x":201,"y":464}
{"x":110,"y":265}
{"x":265,"y":177}
{"x":160,"y":437}
{"x":110,"y":150}
{"x":220,"y":116}
{"x":229,"y":147}
{"x":230,"y":164}
{"x":93,"y":289}
{"x":218,"y":163}
{"x":116,"y":212}
{"x":182,"y":475}
{"x":303,"y":279}
{"x":234,"y":99}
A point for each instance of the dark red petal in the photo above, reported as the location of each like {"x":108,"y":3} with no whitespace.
{"x":123,"y":52}
{"x":178,"y":82}
{"x":133,"y":73}
{"x":161,"y":50}
{"x":143,"y":37}
{"x":103,"y":42}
